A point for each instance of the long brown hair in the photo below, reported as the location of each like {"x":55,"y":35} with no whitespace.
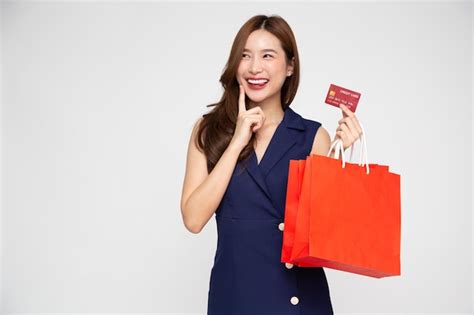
{"x":218,"y":125}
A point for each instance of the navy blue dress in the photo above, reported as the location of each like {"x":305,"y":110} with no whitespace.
{"x":248,"y":277}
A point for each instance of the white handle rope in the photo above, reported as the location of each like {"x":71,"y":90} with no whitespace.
{"x":337,"y":145}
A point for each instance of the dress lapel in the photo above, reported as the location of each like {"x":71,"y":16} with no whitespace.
{"x":285,"y":136}
{"x":256,"y":174}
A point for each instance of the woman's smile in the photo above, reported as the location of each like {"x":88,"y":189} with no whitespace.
{"x":257,"y":84}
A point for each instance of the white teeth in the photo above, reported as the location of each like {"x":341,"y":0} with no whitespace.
{"x":257,"y":81}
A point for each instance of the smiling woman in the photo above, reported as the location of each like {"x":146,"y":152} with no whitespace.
{"x":264,"y":64}
{"x":259,"y":82}
{"x":237,"y":169}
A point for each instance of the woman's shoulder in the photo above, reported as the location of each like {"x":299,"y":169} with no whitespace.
{"x":313,"y":123}
{"x":320,"y":138}
{"x":308,"y":122}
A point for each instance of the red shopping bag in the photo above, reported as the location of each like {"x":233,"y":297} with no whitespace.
{"x":300,"y":249}
{"x":295,"y":182}
{"x":346,"y":219}
{"x":295,"y":178}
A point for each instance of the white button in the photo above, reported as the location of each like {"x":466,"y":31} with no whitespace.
{"x":281,"y":226}
{"x":288,"y":265}
{"x":294,"y":300}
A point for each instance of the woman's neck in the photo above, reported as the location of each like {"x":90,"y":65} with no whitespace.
{"x":272,"y":110}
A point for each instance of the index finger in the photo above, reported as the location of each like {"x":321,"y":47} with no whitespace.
{"x":242,"y":108}
{"x":346,"y":110}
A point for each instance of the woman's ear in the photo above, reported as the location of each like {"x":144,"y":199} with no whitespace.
{"x":291,"y":67}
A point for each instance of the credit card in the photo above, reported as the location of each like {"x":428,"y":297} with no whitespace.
{"x":338,"y":95}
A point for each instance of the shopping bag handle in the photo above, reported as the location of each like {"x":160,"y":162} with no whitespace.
{"x":338,"y":146}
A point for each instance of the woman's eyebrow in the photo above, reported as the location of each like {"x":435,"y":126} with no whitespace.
{"x":264,"y":50}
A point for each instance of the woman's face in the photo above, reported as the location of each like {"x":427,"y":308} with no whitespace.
{"x":263,"y":58}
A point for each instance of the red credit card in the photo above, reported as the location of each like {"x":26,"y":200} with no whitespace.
{"x":338,"y":95}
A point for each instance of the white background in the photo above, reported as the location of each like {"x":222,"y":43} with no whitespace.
{"x":98,"y":102}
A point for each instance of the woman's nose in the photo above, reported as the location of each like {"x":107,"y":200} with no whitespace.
{"x":255,"y":66}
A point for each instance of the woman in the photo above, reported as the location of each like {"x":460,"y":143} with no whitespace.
{"x":237,"y":169}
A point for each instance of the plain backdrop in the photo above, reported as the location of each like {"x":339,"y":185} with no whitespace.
{"x":98,"y":102}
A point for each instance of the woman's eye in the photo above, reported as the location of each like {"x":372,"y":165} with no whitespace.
{"x":243,"y":55}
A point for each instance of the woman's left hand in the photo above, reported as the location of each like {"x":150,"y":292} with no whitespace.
{"x":349,"y":130}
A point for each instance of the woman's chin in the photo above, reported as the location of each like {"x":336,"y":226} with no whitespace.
{"x":257,"y":98}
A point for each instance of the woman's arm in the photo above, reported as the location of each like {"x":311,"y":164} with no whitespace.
{"x":348,"y":131}
{"x":322,"y":143}
{"x":203,"y":192}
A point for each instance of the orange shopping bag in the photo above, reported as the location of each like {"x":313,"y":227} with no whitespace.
{"x":295,"y":182}
{"x":346,"y":219}
{"x":295,"y":178}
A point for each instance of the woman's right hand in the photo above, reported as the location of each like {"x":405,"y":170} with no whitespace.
{"x":248,"y":121}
